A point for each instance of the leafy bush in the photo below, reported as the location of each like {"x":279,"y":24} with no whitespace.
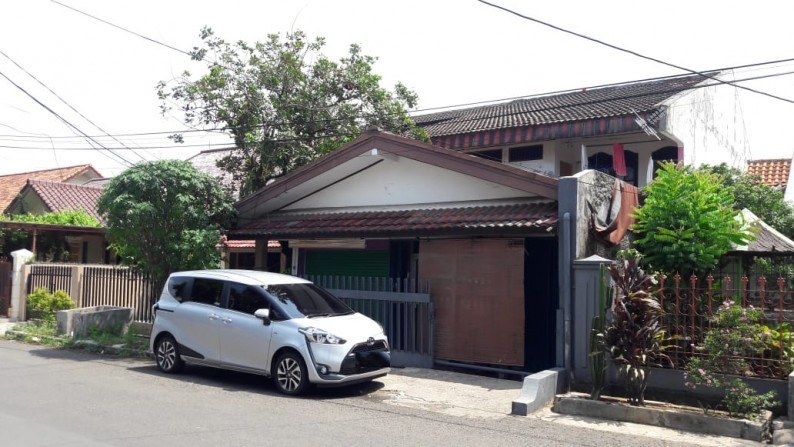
{"x":43,"y":305}
{"x":736,"y":335}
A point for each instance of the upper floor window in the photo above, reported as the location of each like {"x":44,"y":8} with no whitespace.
{"x":525,"y":153}
{"x":490,"y":154}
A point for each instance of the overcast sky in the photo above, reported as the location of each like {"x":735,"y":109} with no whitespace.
{"x":449,"y":52}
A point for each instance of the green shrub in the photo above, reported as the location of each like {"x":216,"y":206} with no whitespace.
{"x":43,"y":305}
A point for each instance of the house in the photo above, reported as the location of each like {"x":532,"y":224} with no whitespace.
{"x":11,"y":184}
{"x":775,"y":173}
{"x":384,"y":206}
{"x":52,"y":191}
{"x":624,"y":130}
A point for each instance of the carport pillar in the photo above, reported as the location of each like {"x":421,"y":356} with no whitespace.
{"x":587,"y":281}
{"x":21,"y":258}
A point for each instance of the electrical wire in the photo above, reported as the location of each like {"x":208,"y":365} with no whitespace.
{"x":633,"y":53}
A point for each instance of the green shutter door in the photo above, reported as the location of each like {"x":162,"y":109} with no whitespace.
{"x":360,"y":263}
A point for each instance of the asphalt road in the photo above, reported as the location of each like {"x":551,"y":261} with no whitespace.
{"x":51,"y":397}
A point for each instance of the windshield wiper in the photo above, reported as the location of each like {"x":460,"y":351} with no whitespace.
{"x":318,"y":315}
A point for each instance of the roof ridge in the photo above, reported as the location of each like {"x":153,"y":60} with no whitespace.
{"x":49,"y":170}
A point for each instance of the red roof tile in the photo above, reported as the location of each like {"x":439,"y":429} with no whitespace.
{"x":773,"y":172}
{"x":12,"y":184}
{"x":534,"y":218}
{"x":66,"y":196}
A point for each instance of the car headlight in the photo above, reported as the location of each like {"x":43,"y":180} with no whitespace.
{"x":315,"y":335}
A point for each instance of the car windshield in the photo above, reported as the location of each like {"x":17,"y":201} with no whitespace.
{"x":307,"y":300}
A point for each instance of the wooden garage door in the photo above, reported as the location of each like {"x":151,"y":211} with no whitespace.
{"x":477,"y":287}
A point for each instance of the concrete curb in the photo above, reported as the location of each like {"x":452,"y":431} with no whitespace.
{"x":538,"y":391}
{"x":756,"y":430}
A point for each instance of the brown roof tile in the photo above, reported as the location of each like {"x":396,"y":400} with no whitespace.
{"x":533,"y":217}
{"x":578,"y":105}
{"x":773,"y":172}
{"x":66,"y":196}
{"x":12,"y":184}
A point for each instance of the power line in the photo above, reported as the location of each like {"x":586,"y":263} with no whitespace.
{"x":65,"y":121}
{"x":67,"y":103}
{"x":633,"y":53}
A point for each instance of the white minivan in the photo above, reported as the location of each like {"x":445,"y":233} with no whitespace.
{"x":265,"y":323}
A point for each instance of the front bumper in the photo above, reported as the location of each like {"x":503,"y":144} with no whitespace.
{"x":331,"y":365}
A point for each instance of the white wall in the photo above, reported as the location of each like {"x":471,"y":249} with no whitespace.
{"x":708,"y":121}
{"x":402,"y":181}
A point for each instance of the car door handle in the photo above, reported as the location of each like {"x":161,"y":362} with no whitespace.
{"x":226,"y":320}
{"x":214,"y":316}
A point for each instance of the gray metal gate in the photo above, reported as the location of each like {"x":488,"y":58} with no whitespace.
{"x":401,"y":306}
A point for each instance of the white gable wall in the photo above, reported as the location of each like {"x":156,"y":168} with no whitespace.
{"x":708,"y":121}
{"x":400,"y":181}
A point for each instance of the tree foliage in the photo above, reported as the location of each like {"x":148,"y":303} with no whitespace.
{"x":764,"y":201}
{"x":284,"y":102}
{"x":687,"y":221}
{"x":78,"y":218}
{"x":166,"y":216}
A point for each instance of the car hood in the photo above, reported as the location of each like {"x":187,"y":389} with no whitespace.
{"x":354,"y":327}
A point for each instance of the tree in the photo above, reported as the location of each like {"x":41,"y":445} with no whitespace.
{"x":166,"y":216}
{"x":687,"y":221}
{"x":764,"y":201}
{"x":283,"y":102}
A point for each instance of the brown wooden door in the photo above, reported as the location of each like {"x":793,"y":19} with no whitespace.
{"x":5,"y":287}
{"x":477,"y":287}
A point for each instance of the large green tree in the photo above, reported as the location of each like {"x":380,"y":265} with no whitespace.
{"x":166,"y":216}
{"x":687,"y":221}
{"x":764,"y":201}
{"x":284,"y":102}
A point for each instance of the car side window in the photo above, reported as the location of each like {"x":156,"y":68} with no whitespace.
{"x":177,"y":286}
{"x":206,"y":291}
{"x":246,"y":299}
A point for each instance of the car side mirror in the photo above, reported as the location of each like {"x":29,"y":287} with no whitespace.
{"x":264,"y":315}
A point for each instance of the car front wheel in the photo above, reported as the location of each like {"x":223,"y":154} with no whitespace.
{"x":166,"y":353}
{"x":290,"y":375}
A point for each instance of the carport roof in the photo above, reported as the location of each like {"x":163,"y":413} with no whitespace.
{"x":536,"y":217}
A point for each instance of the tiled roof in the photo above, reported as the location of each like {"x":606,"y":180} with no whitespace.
{"x":207,"y":161}
{"x":66,"y":196}
{"x":533,"y":217}
{"x":767,"y":239}
{"x":579,"y":105}
{"x":11,"y":184}
{"x":772,"y":172}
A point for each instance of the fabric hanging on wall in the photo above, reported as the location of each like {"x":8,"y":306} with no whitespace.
{"x":620,"y":213}
{"x":618,"y":160}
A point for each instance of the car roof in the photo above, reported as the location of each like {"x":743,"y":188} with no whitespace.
{"x":252,"y":277}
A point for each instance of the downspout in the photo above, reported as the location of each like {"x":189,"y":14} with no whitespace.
{"x":566,"y":294}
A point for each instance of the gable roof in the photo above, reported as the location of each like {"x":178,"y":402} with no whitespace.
{"x":11,"y":184}
{"x":539,"y":217}
{"x":767,"y":239}
{"x":585,"y":104}
{"x":63,"y":196}
{"x":773,"y":172}
{"x":339,"y":165}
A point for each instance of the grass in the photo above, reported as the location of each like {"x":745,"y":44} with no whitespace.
{"x":132,"y":344}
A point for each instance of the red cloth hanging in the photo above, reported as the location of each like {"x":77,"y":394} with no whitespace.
{"x":618,"y":160}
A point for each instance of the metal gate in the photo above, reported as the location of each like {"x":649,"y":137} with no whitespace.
{"x":401,"y":306}
{"x":6,"y":272}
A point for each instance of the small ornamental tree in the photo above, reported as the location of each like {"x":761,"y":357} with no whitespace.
{"x":166,"y":216}
{"x":687,"y":221}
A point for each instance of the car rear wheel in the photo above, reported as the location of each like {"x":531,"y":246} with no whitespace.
{"x":290,"y":375}
{"x":166,"y":353}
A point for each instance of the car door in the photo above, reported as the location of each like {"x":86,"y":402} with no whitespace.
{"x":244,"y":338}
{"x":198,"y":320}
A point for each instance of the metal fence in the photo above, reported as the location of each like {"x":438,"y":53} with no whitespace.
{"x":690,"y":305}
{"x":401,"y":306}
{"x":97,"y":285}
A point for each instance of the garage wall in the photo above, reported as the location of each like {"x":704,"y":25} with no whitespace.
{"x":477,"y":287}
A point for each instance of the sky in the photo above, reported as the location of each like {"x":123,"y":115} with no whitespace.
{"x":102,"y":79}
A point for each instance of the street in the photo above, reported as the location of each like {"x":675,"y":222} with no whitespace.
{"x":52,"y":397}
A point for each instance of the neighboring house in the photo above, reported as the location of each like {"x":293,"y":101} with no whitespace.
{"x":624,"y":130}
{"x":482,"y":233}
{"x":775,"y":173}
{"x":52,"y":191}
{"x":207,"y":161}
{"x":11,"y":184}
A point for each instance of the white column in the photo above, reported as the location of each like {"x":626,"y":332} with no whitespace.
{"x":21,"y":257}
